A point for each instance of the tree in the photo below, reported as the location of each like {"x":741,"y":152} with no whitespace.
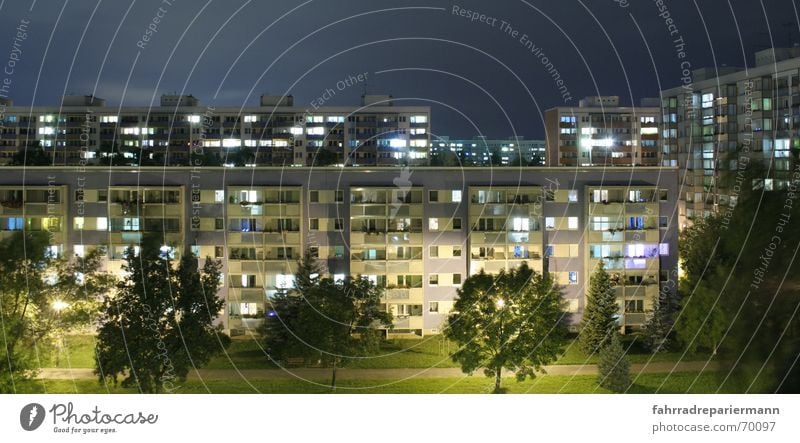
{"x":656,"y":330}
{"x":281,"y":323}
{"x":42,"y":297}
{"x":512,"y":321}
{"x":600,"y":316}
{"x":325,"y":320}
{"x":160,"y":323}
{"x":31,"y":156}
{"x":613,"y":368}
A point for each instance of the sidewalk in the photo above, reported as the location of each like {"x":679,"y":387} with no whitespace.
{"x":380,"y":374}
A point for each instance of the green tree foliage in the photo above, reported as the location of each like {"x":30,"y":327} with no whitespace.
{"x":325,"y":321}
{"x":31,"y":156}
{"x":613,"y":367}
{"x":656,"y":330}
{"x":512,"y":320}
{"x":41,"y":299}
{"x":599,"y":321}
{"x":160,"y":323}
{"x":741,"y":287}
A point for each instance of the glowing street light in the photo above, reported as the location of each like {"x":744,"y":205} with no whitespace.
{"x":60,"y":305}
{"x":500,"y":303}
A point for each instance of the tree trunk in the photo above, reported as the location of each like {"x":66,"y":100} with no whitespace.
{"x":497,"y":378}
{"x":333,"y":377}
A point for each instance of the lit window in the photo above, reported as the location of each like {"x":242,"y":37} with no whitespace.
{"x":219,"y":196}
{"x":78,"y":250}
{"x":419,"y":119}
{"x":250,"y":118}
{"x":549,"y":223}
{"x":194,"y":119}
{"x":572,"y":197}
{"x":573,"y":277}
{"x":433,"y":224}
{"x":78,"y":223}
{"x":108,"y":119}
{"x":296,"y":131}
{"x":663,"y":249}
{"x":338,"y":277}
{"x":572,"y":223}
{"x":284,"y":281}
{"x":102,"y":224}
{"x":521,"y":224}
{"x":317,"y":130}
{"x":456,"y":198}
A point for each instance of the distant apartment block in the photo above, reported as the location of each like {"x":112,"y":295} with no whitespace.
{"x":600,"y":132}
{"x":416,"y":232}
{"x":83,"y":130}
{"x":482,"y":151}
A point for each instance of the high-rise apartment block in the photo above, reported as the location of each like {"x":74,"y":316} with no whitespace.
{"x":416,"y":232}
{"x":728,"y":120}
{"x":181,"y":132}
{"x":600,"y":132}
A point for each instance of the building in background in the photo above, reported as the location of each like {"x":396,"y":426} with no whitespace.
{"x":481,"y":151}
{"x":180,"y":132}
{"x":417,"y":232}
{"x":727,"y":121}
{"x":600,"y":132}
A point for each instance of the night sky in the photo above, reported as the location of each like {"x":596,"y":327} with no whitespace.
{"x":478,"y":77}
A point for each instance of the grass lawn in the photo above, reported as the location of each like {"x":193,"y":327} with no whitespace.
{"x":635,"y":351}
{"x":428,"y":352}
{"x":649,"y":383}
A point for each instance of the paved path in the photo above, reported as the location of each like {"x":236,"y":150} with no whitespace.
{"x":379,"y":374}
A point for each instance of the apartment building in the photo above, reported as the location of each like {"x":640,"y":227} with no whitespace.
{"x":417,"y":232}
{"x":83,"y":130}
{"x":600,"y":132}
{"x":483,"y":151}
{"x":727,"y":120}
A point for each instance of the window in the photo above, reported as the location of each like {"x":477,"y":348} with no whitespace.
{"x":433,"y":224}
{"x":102,"y":195}
{"x":313,"y":251}
{"x":433,"y":307}
{"x":78,"y":223}
{"x":102,"y":224}
{"x":433,"y":251}
{"x":521,"y":224}
{"x":313,"y":196}
{"x":338,"y":251}
{"x":636,"y":223}
{"x":456,"y":251}
{"x":313,"y":224}
{"x":338,"y":224}
{"x":573,"y":277}
{"x":572,"y":223}
{"x":219,"y":196}
{"x":456,"y":224}
{"x":634,"y":305}
{"x":549,"y":250}
{"x":433,"y":280}
{"x":78,"y":250}
{"x":549,"y":223}
{"x":456,"y":279}
{"x":433,"y":196}
{"x":663,"y":249}
{"x":456,"y":196}
{"x":572,"y":196}
{"x":339,"y":196}
{"x":600,"y":196}
{"x":219,"y":251}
